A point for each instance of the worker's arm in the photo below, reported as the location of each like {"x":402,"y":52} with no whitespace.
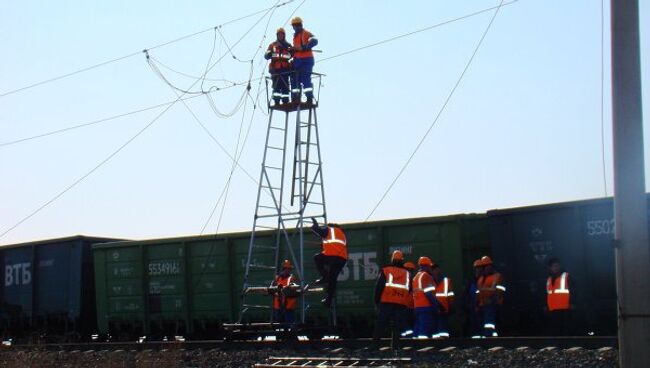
{"x":319,"y":231}
{"x":313,"y":41}
{"x":379,"y":287}
{"x":268,"y":53}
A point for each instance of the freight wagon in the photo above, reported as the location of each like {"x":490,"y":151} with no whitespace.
{"x":189,"y":286}
{"x":47,"y":291}
{"x":580,"y":234}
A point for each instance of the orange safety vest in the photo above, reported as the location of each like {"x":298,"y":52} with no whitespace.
{"x":488,"y":286}
{"x":396,"y":289}
{"x":289,"y":302}
{"x":445,"y":293}
{"x":280,"y":57}
{"x":335,"y":243}
{"x":557,"y":292}
{"x":300,"y":39}
{"x":422,"y":283}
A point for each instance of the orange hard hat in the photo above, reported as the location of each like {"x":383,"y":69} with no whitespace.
{"x":287,"y":264}
{"x":409,"y":266}
{"x":397,"y":256}
{"x":280,"y":30}
{"x":296,"y":20}
{"x":484,"y":261}
{"x":425,"y":261}
{"x":477,"y":263}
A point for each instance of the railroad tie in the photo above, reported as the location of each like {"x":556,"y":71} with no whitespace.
{"x":340,"y":362}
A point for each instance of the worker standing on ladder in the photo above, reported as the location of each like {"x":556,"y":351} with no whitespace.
{"x":331,"y":260}
{"x":279,"y":52}
{"x":284,"y":293}
{"x":303,"y":61}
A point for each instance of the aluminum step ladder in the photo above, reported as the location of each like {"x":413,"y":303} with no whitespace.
{"x":280,"y":212}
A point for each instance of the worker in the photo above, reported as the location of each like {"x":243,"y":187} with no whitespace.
{"x":392,"y":293}
{"x":284,"y":291}
{"x":470,"y":304}
{"x":303,"y":61}
{"x":332,"y":258}
{"x":490,"y":296}
{"x":558,"y":298}
{"x":279,"y":52}
{"x":424,"y":299}
{"x":445,"y":297}
{"x":410,"y":310}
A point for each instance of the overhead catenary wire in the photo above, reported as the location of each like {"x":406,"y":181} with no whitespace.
{"x":243,"y":83}
{"x":118,"y":150}
{"x":440,"y":111}
{"x":127,"y":56}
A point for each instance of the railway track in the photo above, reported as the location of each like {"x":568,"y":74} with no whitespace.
{"x":532,"y":342}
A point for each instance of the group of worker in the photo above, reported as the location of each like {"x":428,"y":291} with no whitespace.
{"x":418,"y":302}
{"x":292,"y":64}
{"x":415,"y":303}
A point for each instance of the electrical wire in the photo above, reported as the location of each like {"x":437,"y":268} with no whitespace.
{"x":417,"y":31}
{"x":243,"y":83}
{"x":120,"y":58}
{"x":118,"y":150}
{"x":442,"y":109}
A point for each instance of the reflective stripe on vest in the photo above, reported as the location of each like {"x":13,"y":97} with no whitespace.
{"x":558,"y":293}
{"x":395,"y":290}
{"x":335,"y":243}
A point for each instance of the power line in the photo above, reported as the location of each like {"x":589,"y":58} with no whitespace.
{"x":444,"y":105}
{"x":417,"y":31}
{"x":119,"y":149}
{"x":120,"y":58}
{"x":235,"y":84}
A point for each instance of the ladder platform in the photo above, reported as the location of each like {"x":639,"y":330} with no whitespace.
{"x":293,"y":106}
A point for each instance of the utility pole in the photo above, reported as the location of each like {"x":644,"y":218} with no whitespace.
{"x":630,"y":206}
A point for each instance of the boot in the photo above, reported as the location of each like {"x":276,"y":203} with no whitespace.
{"x":295,"y":98}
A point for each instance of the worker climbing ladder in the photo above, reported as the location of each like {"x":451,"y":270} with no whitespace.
{"x":281,"y":209}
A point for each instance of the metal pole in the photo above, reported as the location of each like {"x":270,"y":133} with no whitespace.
{"x":630,"y":206}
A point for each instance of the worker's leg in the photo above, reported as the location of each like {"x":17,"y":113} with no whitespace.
{"x":475,"y":322}
{"x":423,"y":322}
{"x":409,"y":316}
{"x":295,"y":80}
{"x":490,"y":321}
{"x":305,"y":75}
{"x":443,"y":325}
{"x":289,"y":316}
{"x":276,"y":84}
{"x":336,"y":264}
{"x":399,"y":314}
{"x":320,"y":260}
{"x":284,"y":85}
{"x":383,"y":318}
{"x":277,"y":315}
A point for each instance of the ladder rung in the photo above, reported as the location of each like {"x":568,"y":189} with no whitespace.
{"x":267,"y":216}
{"x":313,"y":202}
{"x":273,"y":168}
{"x":276,"y":128}
{"x":267,"y":227}
{"x":261,"y":267}
{"x":268,"y":187}
{"x":309,"y":143}
{"x":264,"y":246}
{"x":269,"y":207}
{"x":308,"y":162}
{"x":275,"y":148}
{"x":256,"y":306}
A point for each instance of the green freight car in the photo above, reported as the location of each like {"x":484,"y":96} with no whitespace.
{"x":189,"y":286}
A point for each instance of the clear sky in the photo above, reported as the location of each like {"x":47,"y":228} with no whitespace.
{"x":524,"y":126}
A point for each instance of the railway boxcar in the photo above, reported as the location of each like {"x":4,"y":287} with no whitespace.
{"x":188,"y":286}
{"x":48,"y":289}
{"x":578,"y":233}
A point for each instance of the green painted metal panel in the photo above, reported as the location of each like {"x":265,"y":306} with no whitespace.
{"x":101,"y":294}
